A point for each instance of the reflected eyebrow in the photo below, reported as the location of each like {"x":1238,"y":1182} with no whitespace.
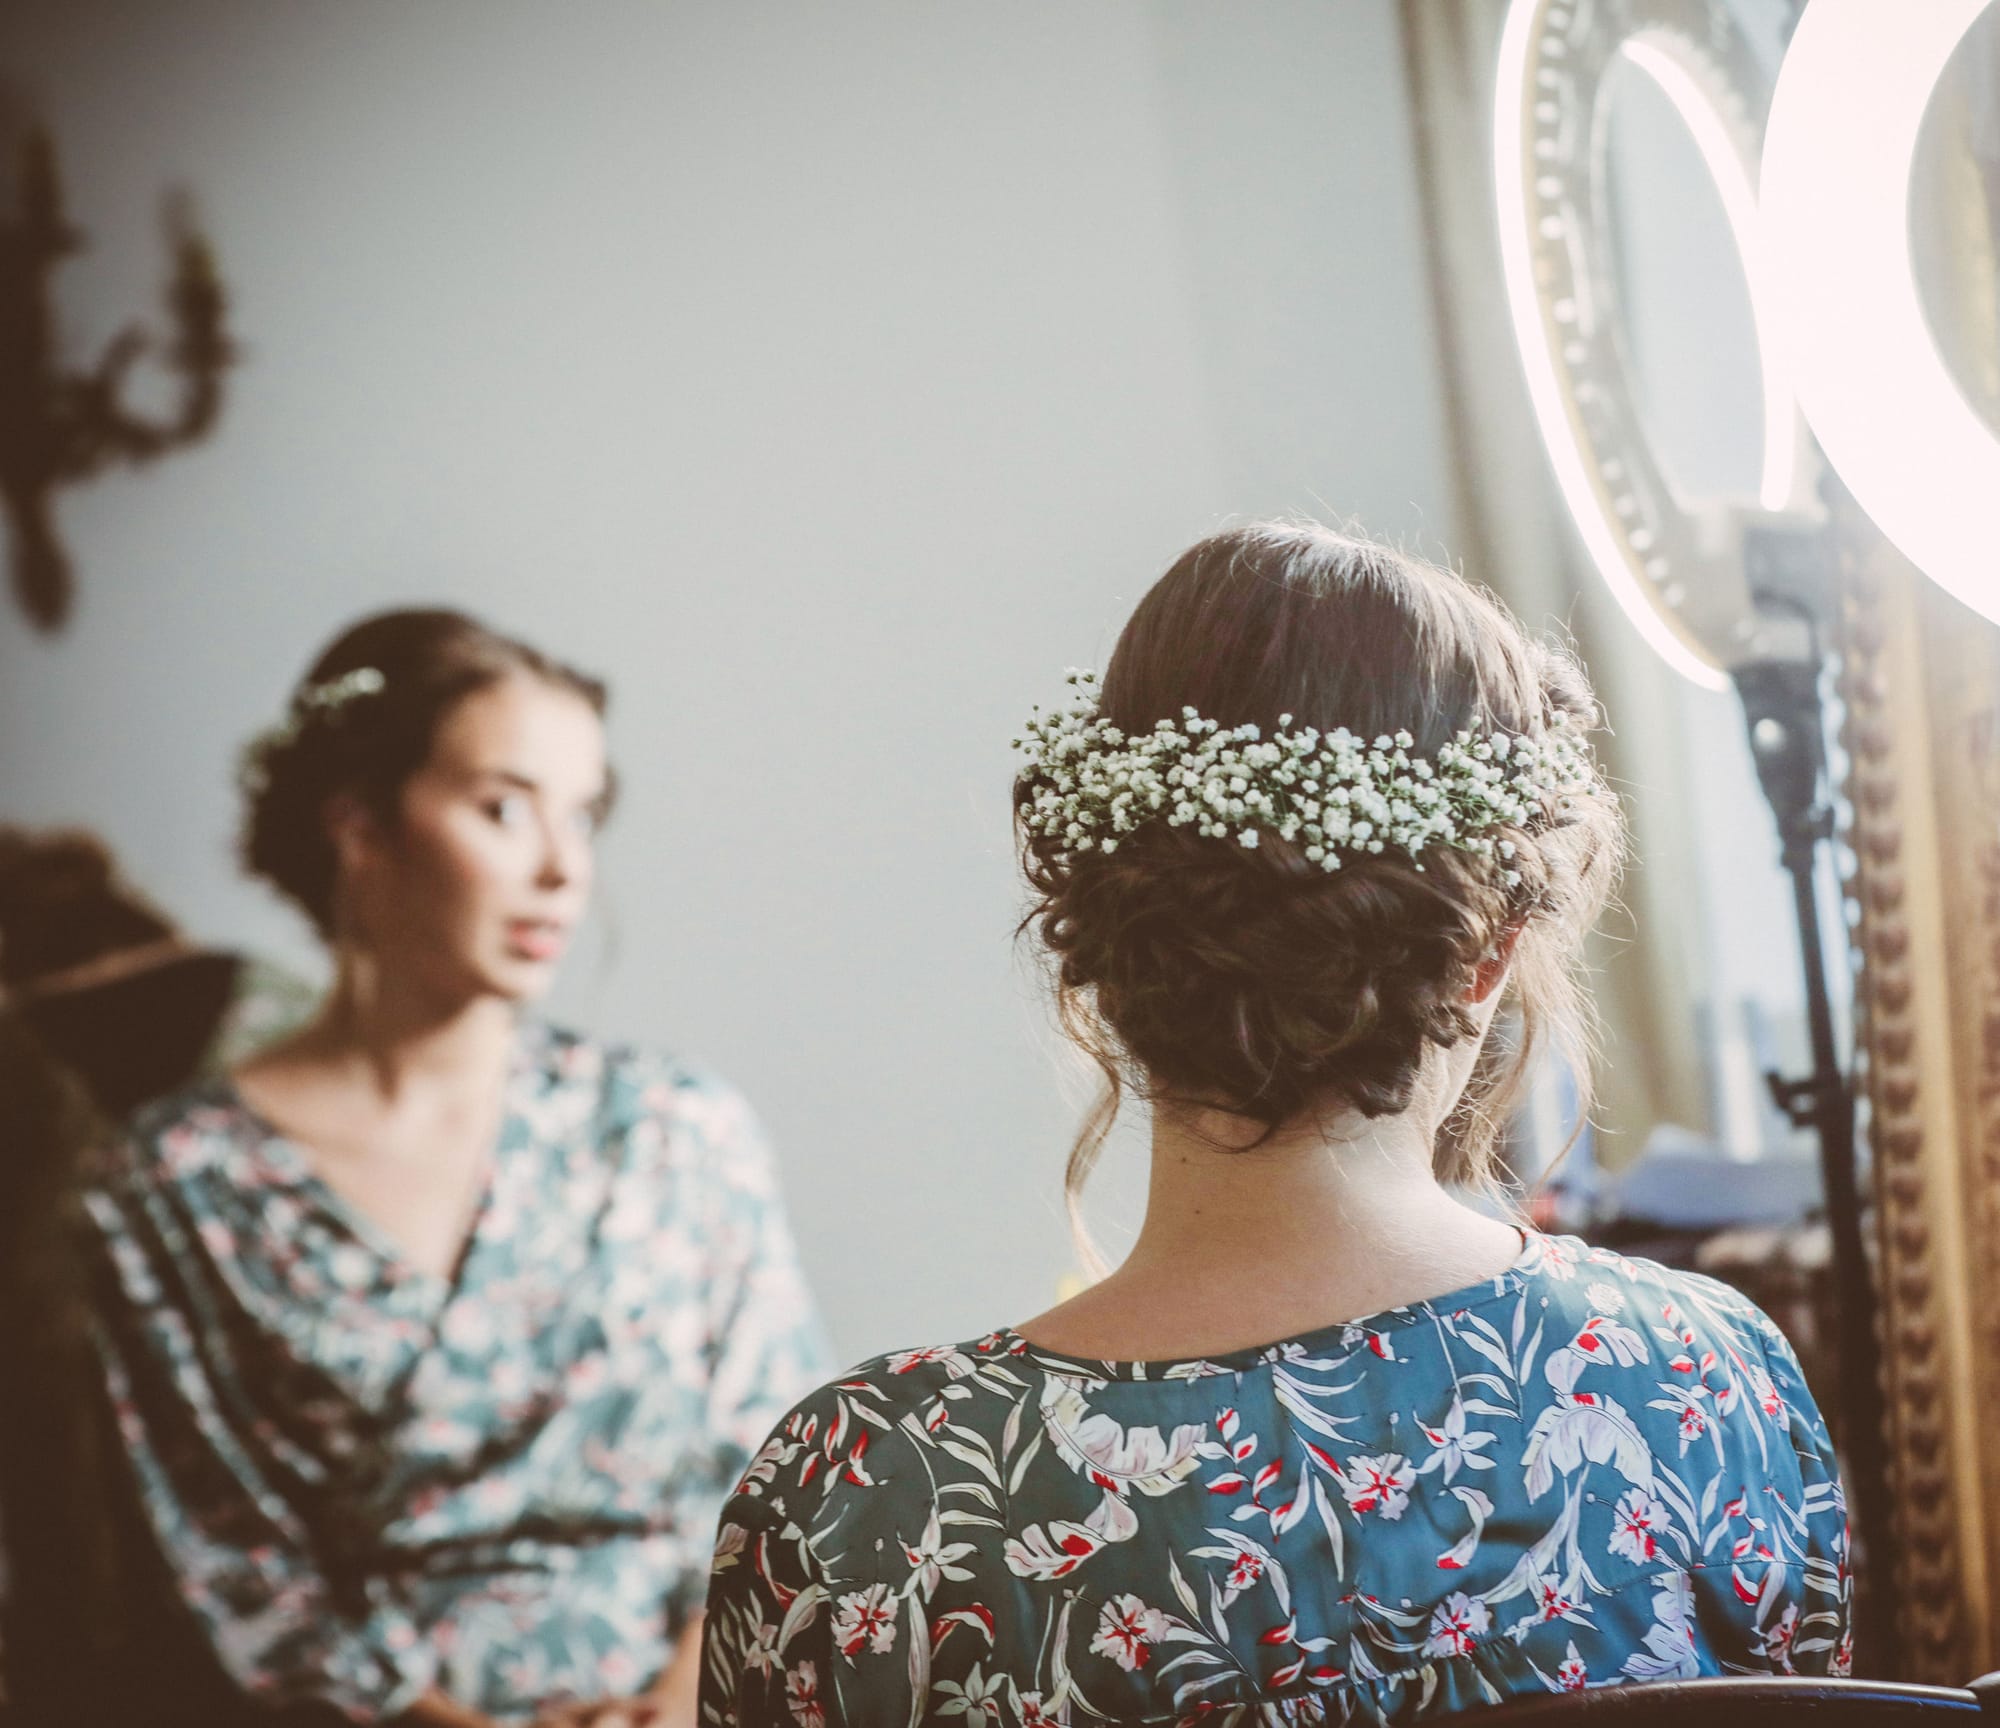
{"x":599,"y":801}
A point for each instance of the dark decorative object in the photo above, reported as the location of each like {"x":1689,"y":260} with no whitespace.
{"x":59,"y":427}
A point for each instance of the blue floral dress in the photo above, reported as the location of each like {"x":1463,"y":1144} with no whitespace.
{"x":1585,"y":1472}
{"x":370,"y":1481}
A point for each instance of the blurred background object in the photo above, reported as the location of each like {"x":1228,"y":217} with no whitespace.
{"x":112,"y":989}
{"x":103,"y":1006}
{"x":60,"y":426}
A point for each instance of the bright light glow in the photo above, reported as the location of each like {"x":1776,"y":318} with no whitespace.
{"x":1730,"y":173}
{"x":1561,"y":435}
{"x":1838,"y":152}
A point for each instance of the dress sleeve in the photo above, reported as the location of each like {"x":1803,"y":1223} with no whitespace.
{"x":1775,"y":1590}
{"x":767,"y":1650}
{"x":1813,"y":1632}
{"x":766,"y":1344}
{"x":213,"y":1475}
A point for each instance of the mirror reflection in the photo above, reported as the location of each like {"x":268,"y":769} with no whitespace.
{"x":890,"y":866}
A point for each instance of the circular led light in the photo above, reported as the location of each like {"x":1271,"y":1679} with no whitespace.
{"x":1835,"y":193}
{"x":1731,"y":172}
{"x":1683,"y":589}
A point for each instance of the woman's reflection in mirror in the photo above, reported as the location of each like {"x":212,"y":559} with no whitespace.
{"x":437,"y":1334}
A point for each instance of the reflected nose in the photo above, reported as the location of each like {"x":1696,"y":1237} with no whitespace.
{"x":565,"y":859}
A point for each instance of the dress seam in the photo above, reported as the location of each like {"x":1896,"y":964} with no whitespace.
{"x":1270,"y":1355}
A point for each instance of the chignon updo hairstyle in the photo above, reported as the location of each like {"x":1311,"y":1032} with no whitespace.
{"x":405,"y":671}
{"x":1199,"y":973}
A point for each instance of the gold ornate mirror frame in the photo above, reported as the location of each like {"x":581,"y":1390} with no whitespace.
{"x":1922,"y":683}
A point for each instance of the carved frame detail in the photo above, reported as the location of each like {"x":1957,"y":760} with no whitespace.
{"x":1921,"y":684}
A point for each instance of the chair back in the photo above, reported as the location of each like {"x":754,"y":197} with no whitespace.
{"x":1758,"y":1701}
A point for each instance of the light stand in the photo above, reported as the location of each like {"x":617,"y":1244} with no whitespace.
{"x":1786,"y":715}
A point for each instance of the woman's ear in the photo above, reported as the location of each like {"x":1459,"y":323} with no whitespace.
{"x":1491,"y":972}
{"x":351,"y":828}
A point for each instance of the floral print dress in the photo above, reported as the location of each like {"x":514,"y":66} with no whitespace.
{"x":1588,"y":1471}
{"x":370,"y":1481}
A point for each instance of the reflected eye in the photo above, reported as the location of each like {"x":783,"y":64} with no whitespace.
{"x":509,"y":810}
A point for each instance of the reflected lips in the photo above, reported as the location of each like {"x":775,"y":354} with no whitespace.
{"x":532,"y":939}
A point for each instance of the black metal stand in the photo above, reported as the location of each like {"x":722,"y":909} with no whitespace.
{"x":1787,"y":721}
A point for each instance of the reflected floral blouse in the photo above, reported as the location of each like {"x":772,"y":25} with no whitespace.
{"x":371,"y":1481}
{"x":1585,"y":1472}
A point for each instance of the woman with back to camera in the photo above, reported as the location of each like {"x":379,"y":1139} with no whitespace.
{"x":438,"y":1335}
{"x":1331,"y":1441}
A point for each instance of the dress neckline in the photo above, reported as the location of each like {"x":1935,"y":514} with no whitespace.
{"x":1536,"y":1249}
{"x":293,"y":1163}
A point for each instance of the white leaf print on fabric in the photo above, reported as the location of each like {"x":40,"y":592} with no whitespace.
{"x":1459,"y":1555}
{"x":1057,"y":1552}
{"x":1135,"y":1460}
{"x":1669,"y":1652}
{"x":1096,"y":1590}
{"x":1580,"y":1426}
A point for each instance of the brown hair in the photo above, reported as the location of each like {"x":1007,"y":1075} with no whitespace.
{"x":1252,"y":981}
{"x":369,"y":745}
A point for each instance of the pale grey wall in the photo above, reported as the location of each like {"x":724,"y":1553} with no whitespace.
{"x":830,"y":378}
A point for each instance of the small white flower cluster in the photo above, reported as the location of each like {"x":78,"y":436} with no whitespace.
{"x":1331,"y":792}
{"x":314,"y":702}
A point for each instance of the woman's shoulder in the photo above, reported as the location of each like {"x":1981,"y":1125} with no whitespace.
{"x":631,"y":1079}
{"x":923,"y":1379}
{"x":197,"y":1131}
{"x":1685,"y":1366}
{"x":643,"y":1077}
{"x":914,"y":1379}
{"x":963,"y":1397}
{"x":1596,"y":1284}
{"x":665,"y":1108}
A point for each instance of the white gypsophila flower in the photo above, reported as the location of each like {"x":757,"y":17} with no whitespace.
{"x":1089,"y":782}
{"x":337,"y":692}
{"x":314,"y":702}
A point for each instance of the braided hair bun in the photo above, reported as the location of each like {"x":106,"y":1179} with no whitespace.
{"x":1250,"y":980}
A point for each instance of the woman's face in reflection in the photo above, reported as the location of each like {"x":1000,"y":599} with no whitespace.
{"x":478,"y":887}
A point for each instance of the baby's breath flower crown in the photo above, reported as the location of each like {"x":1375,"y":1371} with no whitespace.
{"x":1090,"y":783}
{"x":315,"y":702}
